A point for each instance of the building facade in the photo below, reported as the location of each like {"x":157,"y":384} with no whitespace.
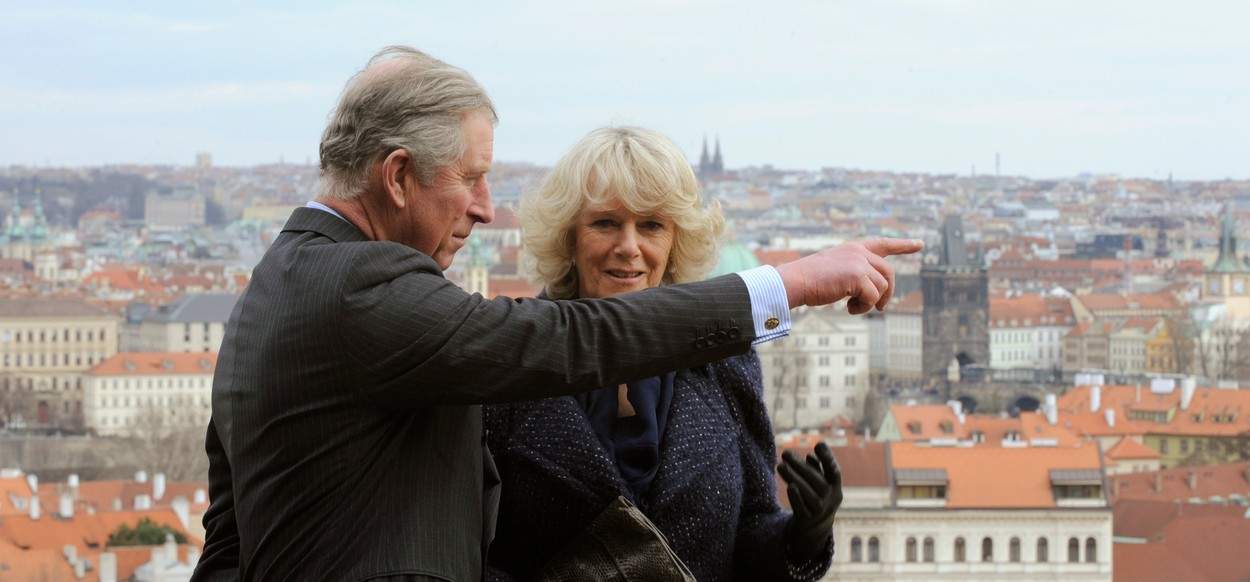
{"x":194,"y":323}
{"x":46,"y":346}
{"x":136,"y":391}
{"x":821,"y":370}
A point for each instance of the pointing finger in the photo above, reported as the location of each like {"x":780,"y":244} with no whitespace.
{"x":893,"y":246}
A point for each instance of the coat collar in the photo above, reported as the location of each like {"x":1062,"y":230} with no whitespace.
{"x":556,"y":437}
{"x":305,"y":219}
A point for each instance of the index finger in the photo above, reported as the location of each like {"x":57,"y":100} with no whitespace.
{"x":885,"y":247}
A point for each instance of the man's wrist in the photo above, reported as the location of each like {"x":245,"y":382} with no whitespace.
{"x":793,"y":280}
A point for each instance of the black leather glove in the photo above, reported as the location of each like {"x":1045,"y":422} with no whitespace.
{"x":815,"y":491}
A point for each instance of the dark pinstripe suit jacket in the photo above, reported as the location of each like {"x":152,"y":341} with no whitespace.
{"x":346,"y":442}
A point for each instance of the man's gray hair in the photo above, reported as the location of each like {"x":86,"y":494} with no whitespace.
{"x":403,"y":98}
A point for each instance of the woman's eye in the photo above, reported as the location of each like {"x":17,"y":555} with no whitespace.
{"x":652,"y":225}
{"x":603,"y":223}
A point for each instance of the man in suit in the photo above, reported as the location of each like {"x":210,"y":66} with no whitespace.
{"x":346,"y":439}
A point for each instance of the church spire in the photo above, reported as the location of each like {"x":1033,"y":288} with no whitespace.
{"x":1228,"y":262}
{"x":718,"y":162}
{"x":704,"y":161}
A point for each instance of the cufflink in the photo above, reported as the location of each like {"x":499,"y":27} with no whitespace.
{"x":771,"y":323}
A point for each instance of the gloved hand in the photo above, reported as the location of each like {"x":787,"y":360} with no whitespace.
{"x":815,"y":491}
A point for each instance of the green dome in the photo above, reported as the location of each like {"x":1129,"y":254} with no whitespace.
{"x":734,"y":257}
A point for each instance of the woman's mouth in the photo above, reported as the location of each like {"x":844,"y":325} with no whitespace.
{"x":624,"y":276}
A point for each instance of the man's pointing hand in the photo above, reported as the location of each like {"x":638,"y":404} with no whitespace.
{"x":856,"y":270}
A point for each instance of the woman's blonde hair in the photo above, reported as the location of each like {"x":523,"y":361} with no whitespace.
{"x":648,"y":174}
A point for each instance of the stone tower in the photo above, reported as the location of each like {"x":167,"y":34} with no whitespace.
{"x":956,"y":306}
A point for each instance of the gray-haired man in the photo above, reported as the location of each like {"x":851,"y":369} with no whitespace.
{"x":346,"y":441}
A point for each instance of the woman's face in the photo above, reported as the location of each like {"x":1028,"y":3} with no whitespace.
{"x":617,"y":251}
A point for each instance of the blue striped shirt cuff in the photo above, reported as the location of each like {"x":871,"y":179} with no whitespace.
{"x":769,"y":307}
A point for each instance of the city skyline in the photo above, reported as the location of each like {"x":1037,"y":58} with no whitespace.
{"x":925,"y":86}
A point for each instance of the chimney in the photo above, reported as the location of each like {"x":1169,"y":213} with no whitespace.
{"x":1192,"y":479}
{"x":33,"y":481}
{"x":66,"y":508}
{"x":1110,"y":414}
{"x":201,"y":496}
{"x":143,"y":502}
{"x":171,"y":549}
{"x":141,"y":477}
{"x":1188,"y":386}
{"x":1095,"y":398}
{"x":956,"y":405}
{"x":71,"y":553}
{"x":1138,"y":399}
{"x":80,"y":569}
{"x":158,"y":486}
{"x":183,"y":510}
{"x":34,"y":507}
{"x":1052,"y":409}
{"x":868,"y":434}
{"x":108,"y":567}
{"x":72,"y":481}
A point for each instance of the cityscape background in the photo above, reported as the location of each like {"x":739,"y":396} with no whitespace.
{"x":1060,"y":389}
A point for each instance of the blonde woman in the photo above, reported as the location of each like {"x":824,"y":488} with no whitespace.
{"x":693,"y":448}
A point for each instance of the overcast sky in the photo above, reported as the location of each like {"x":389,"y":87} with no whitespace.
{"x":1138,"y":87}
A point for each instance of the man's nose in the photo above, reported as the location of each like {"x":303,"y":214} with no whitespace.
{"x":482,"y":209}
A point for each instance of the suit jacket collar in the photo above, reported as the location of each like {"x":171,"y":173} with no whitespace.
{"x":305,"y":219}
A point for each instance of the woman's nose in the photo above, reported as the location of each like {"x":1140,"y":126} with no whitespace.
{"x":627,"y":242}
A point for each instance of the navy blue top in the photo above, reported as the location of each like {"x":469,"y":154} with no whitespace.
{"x":633,"y":441}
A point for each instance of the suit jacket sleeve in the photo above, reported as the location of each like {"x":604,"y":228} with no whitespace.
{"x":760,"y":551}
{"x":416,"y":339}
{"x":220,"y":560}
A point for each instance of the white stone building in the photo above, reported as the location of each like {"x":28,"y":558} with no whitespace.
{"x":904,"y":324}
{"x":132,"y":390}
{"x":1026,"y":332}
{"x":915,"y":512}
{"x":194,"y":323}
{"x":820,"y":371}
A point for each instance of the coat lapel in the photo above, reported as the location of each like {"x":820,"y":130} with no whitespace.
{"x":696,"y":441}
{"x":555,"y":436}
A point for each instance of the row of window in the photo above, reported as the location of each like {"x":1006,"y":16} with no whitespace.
{"x":154,"y":382}
{"x":847,"y":341}
{"x":10,"y":384}
{"x":825,"y":402}
{"x":820,"y":361}
{"x":926,"y":553}
{"x":178,"y":400}
{"x":825,"y":381}
{"x":56,"y":360}
{"x":53,"y":335}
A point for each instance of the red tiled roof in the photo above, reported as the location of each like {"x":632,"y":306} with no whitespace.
{"x":156,"y":363}
{"x":1207,"y":403}
{"x":996,"y":477}
{"x":911,"y":303}
{"x":1183,"y":483}
{"x":1129,"y":448}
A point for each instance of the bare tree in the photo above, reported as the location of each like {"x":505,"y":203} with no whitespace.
{"x":170,"y":443}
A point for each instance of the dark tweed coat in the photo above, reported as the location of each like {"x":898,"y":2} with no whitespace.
{"x":713,"y":496}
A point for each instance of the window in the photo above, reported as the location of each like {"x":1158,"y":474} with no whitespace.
{"x":850,"y":380}
{"x":1014,"y":550}
{"x":850,"y":360}
{"x":1091,"y":550}
{"x":1074,"y":550}
{"x":826,"y":402}
{"x":824,"y":360}
{"x":824,"y":381}
{"x":911,"y":549}
{"x":849,"y":341}
{"x":961,"y":550}
{"x":823,"y":341}
{"x":800,"y":402}
{"x":874,"y":549}
{"x":1043,"y":550}
{"x":857,"y":549}
{"x":987,"y":550}
{"x":928,"y":550}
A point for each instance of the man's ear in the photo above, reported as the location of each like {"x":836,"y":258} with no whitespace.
{"x":396,"y":171}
